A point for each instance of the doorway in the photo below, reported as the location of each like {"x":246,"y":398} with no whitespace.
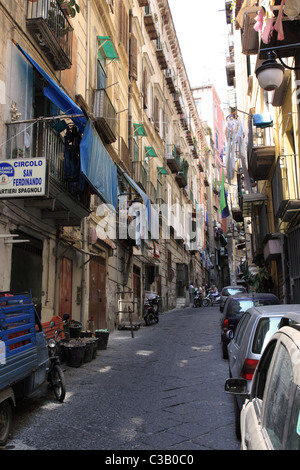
{"x":27,"y":267}
{"x":97,"y":297}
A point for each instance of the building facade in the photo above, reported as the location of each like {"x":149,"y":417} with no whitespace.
{"x":102,"y":190}
{"x":269,"y":189}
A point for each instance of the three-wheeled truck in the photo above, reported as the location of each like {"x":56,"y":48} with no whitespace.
{"x":24,"y":357}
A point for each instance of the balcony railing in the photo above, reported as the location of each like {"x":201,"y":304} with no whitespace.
{"x":52,"y":31}
{"x":261,"y":152}
{"x":173,"y":158}
{"x":160,"y":54}
{"x":140,"y":175}
{"x":38,"y":140}
{"x":286,"y":192}
{"x":105,"y":115}
{"x":181,"y":177}
{"x":149,"y":22}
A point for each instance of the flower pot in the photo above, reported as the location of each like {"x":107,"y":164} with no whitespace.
{"x":74,"y":353}
{"x":75,"y":328}
{"x":102,"y":336}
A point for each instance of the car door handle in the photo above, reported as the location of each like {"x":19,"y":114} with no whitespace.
{"x":234,"y":357}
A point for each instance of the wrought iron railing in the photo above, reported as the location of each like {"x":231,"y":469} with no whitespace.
{"x":51,"y":15}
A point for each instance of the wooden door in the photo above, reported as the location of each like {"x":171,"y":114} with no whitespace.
{"x":97,"y":297}
{"x":65,"y":287}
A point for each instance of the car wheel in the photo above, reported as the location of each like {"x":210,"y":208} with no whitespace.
{"x":224,"y":349}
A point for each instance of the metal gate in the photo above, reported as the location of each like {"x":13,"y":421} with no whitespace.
{"x":294,"y":260}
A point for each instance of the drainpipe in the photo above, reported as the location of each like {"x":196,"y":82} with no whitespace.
{"x":84,"y":311}
{"x":130,"y":92}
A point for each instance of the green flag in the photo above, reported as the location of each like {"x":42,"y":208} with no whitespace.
{"x":223,"y":202}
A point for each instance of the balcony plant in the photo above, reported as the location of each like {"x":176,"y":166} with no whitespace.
{"x":70,"y":7}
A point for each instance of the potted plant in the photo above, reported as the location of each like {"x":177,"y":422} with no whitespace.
{"x":69,"y":7}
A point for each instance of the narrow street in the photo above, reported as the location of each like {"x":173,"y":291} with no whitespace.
{"x":161,"y":390}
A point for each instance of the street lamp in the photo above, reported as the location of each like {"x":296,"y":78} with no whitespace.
{"x":270,"y":73}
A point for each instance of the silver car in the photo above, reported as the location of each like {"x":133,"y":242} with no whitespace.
{"x":253,"y":332}
{"x":270,"y":417}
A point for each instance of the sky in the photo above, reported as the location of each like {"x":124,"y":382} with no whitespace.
{"x":202,"y":34}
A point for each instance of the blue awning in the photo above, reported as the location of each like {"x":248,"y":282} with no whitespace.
{"x":97,"y":166}
{"x":54,"y":93}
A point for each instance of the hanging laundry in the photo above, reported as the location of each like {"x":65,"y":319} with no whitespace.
{"x":278,"y":25}
{"x":265,"y":20}
{"x":72,"y":155}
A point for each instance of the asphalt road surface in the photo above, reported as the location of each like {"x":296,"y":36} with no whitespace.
{"x":161,"y":390}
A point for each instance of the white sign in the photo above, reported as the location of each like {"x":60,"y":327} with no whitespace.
{"x":22,"y":177}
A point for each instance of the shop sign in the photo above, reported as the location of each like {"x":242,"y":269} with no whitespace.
{"x":22,"y":177}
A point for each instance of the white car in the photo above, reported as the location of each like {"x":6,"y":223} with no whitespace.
{"x":270,"y":417}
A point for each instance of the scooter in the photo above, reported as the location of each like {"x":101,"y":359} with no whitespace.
{"x":210,"y":300}
{"x":151,"y":310}
{"x":56,"y":376}
{"x":197,"y":299}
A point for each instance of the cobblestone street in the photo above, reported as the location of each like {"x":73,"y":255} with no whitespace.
{"x":161,"y":390}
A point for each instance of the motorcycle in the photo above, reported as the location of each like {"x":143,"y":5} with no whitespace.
{"x":151,"y":310}
{"x":56,"y":376}
{"x":197,"y":299}
{"x":210,"y":300}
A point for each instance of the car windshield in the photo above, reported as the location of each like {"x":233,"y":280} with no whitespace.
{"x":237,"y":307}
{"x":265,"y":329}
{"x":232,"y":290}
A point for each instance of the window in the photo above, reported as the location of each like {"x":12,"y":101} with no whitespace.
{"x":241,"y":328}
{"x":293,"y":439}
{"x":277,"y":398}
{"x":265,"y":329}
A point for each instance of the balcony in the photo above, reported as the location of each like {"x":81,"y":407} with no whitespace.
{"x":160,"y":55}
{"x":151,"y":192}
{"x":105,"y":116}
{"x":51,"y":31}
{"x":149,"y":22}
{"x":64,"y":201}
{"x":173,"y":159}
{"x":125,"y":155}
{"x":140,"y":175}
{"x":285,"y":48}
{"x":261,"y":153}
{"x":170,"y":80}
{"x":250,"y":201}
{"x":178,"y":102}
{"x":181,"y":177}
{"x":143,"y":3}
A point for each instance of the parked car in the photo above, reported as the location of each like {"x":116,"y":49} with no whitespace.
{"x":254,"y":330}
{"x":235,"y":306}
{"x":230,"y":290}
{"x":270,"y":417}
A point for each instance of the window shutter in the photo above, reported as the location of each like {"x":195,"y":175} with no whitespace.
{"x":145,"y":89}
{"x":123,"y":26}
{"x":156,"y":114}
{"x":134,"y":68}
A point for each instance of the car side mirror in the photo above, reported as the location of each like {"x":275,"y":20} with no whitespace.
{"x":230,"y":334}
{"x":236,"y":387}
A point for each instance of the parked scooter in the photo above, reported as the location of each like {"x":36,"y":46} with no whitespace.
{"x":151,"y":310}
{"x":210,"y":300}
{"x":56,"y":376}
